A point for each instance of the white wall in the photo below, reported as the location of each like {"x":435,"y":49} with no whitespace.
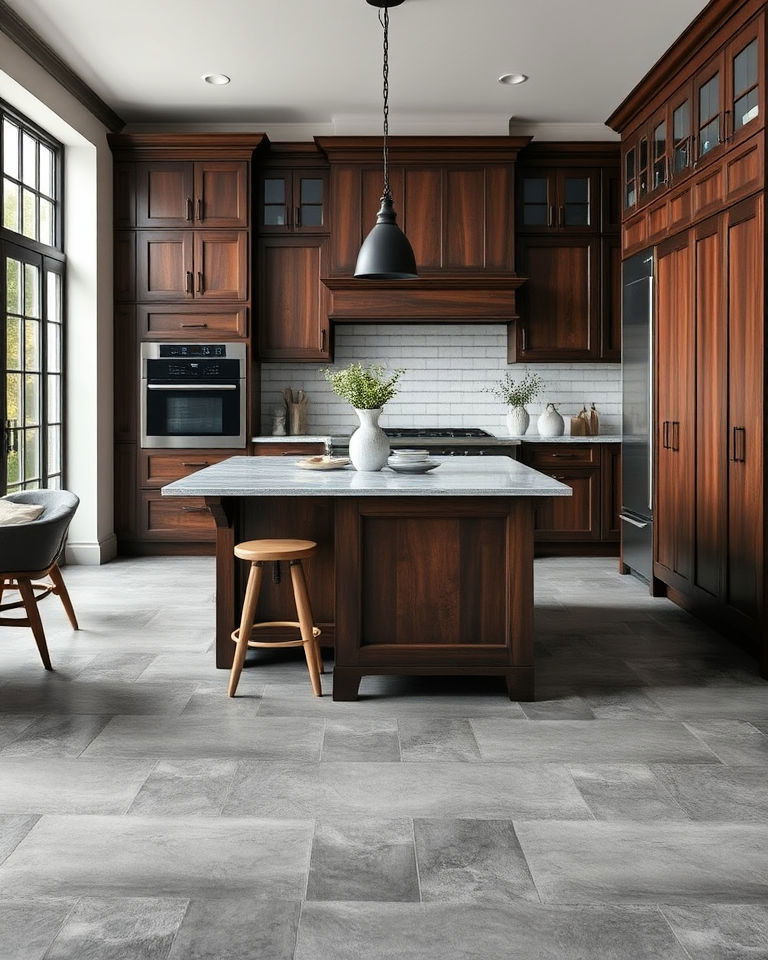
{"x":447,"y":369}
{"x":88,"y":246}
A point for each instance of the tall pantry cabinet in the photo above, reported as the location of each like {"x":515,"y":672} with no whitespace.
{"x":694,"y":190}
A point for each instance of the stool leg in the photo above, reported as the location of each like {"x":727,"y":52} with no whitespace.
{"x":246,"y":624}
{"x":306,"y":624}
{"x":63,"y":594}
{"x":319,"y":652}
{"x":33,"y":614}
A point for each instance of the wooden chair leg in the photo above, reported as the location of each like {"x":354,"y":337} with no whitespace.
{"x":33,"y":614}
{"x":246,"y":623}
{"x":306,"y":625}
{"x":63,"y":594}
{"x":319,"y":654}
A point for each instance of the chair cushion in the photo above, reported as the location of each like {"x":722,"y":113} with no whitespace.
{"x":15,"y":513}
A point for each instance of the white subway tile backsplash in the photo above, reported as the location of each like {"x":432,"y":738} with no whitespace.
{"x":446,"y":371}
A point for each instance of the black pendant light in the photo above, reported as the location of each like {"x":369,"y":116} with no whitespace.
{"x":386,"y":253}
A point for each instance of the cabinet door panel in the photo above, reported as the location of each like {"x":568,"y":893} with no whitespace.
{"x":536,"y":200}
{"x":165,"y":265}
{"x":125,"y":265}
{"x":192,"y":321}
{"x":221,"y":192}
{"x":464,"y":231}
{"x":310,"y":200}
{"x":424,"y":216}
{"x":559,"y":302}
{"x":578,"y":201}
{"x":745,"y":374}
{"x":610,"y":311}
{"x":164,"y":194}
{"x":611,"y":491}
{"x":221,"y":265}
{"x":745,"y":86}
{"x":571,"y":518}
{"x":275,"y":201}
{"x":293,"y":315}
{"x":711,"y":402}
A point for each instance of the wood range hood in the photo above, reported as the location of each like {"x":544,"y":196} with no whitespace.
{"x":454,"y":198}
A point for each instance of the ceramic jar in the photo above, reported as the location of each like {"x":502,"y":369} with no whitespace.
{"x":517,"y":421}
{"x":551,"y":424}
{"x":369,"y":445}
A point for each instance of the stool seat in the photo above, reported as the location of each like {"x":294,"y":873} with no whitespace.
{"x":260,"y":550}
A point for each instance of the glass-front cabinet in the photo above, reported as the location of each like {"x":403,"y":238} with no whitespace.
{"x":745,"y":94}
{"x":293,"y":201}
{"x":564,"y":200}
{"x":681,"y":153}
{"x":709,"y":108}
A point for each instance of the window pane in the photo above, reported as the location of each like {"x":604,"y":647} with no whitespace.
{"x":311,"y":215}
{"x":660,"y":140}
{"x":274,"y":191}
{"x":11,"y":213}
{"x":53,"y":297}
{"x":31,"y":344}
{"x":682,"y":156}
{"x":745,"y":68}
{"x":13,"y":343}
{"x":31,"y":454}
{"x":32,"y":399}
{"x":46,"y":222}
{"x":54,"y":449}
{"x":28,"y":225}
{"x":28,"y":160}
{"x":46,"y":171}
{"x":54,"y":483}
{"x":274,"y":216}
{"x":54,"y":348}
{"x":681,"y":123}
{"x":13,"y":285}
{"x":10,"y":149}
{"x":745,"y":109}
{"x":13,"y":396}
{"x":709,"y":136}
{"x":709,"y":98}
{"x":311,"y":190}
{"x":54,"y":398}
{"x":577,"y":214}
{"x":535,"y":190}
{"x":576,"y":189}
{"x":31,"y":290}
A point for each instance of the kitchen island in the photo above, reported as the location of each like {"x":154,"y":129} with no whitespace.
{"x":429,"y":574}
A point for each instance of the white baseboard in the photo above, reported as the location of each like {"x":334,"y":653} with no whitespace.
{"x":90,"y":553}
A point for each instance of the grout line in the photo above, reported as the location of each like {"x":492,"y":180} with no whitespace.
{"x":416,"y":859}
{"x":63,"y":923}
{"x":660,"y":908}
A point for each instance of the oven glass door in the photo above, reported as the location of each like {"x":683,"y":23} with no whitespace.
{"x":191,"y":411}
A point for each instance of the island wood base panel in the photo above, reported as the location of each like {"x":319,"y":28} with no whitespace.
{"x":417,"y":586}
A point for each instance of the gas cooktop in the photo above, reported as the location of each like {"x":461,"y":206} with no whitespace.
{"x":436,"y":433}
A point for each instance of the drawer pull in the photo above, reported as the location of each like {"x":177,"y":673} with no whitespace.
{"x":203,"y":463}
{"x":195,"y":326}
{"x":565,"y":456}
{"x":196,"y":509}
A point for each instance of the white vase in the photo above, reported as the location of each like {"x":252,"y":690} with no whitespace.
{"x":551,"y":424}
{"x":517,"y":421}
{"x":369,"y":445}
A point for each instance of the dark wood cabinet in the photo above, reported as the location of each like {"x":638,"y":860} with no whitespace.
{"x":293,"y":201}
{"x":187,"y":265}
{"x":221,"y":265}
{"x":293,"y":302}
{"x":610,"y":291}
{"x":571,"y":518}
{"x":210,"y":193}
{"x":221,"y":193}
{"x":611,"y":493}
{"x":195,"y":321}
{"x":560,"y":200}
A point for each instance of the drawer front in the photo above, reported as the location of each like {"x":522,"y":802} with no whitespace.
{"x":574,"y":518}
{"x":157,"y":469}
{"x":175,"y":518}
{"x":278,"y":449}
{"x":563,"y":455}
{"x":212,"y":323}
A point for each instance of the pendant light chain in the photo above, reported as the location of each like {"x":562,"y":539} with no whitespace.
{"x":385,"y":23}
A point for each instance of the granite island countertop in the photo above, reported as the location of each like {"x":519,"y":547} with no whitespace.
{"x":499,"y":439}
{"x":281,"y":477}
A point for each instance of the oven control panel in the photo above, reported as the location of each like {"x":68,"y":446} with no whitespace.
{"x":190,"y":351}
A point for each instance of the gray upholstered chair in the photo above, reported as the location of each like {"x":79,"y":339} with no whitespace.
{"x":30,"y":552}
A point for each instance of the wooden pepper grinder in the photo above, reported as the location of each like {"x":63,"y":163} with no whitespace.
{"x":297,"y":412}
{"x":594,"y":422}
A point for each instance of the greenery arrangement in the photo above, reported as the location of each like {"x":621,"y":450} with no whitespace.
{"x":366,"y":388}
{"x":516,"y":393}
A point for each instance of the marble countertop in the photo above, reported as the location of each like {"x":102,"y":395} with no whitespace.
{"x":500,"y":438}
{"x":281,"y":477}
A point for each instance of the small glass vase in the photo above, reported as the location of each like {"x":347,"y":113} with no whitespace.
{"x":517,"y":421}
{"x":369,"y":445}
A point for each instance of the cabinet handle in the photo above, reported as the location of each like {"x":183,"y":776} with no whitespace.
{"x":665,"y":435}
{"x":298,"y":216}
{"x":322,"y":340}
{"x":551,"y":215}
{"x":195,"y":326}
{"x":727,"y":125}
{"x":188,"y":215}
{"x":199,"y":208}
{"x":199,"y":281}
{"x":676,"y":435}
{"x":523,"y":340}
{"x":202,"y":463}
{"x":196,"y":509}
{"x":739,"y":448}
{"x":561,"y":222}
{"x":189,"y":282}
{"x":565,"y":456}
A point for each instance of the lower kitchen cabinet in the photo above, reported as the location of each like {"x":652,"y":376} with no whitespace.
{"x":588,"y":521}
{"x":174,"y":518}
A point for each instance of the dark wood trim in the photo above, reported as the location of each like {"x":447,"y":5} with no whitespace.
{"x":416,"y":150}
{"x":185,"y":146}
{"x":17,"y":30}
{"x":441,"y":281}
{"x":562,"y":152}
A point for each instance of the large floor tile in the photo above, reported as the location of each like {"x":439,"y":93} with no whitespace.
{"x":28,"y":926}
{"x":437,"y":740}
{"x":55,"y":736}
{"x":363,"y":860}
{"x":65,"y":697}
{"x":472,"y":860}
{"x":434,"y":789}
{"x":185,"y":788}
{"x":638,"y":862}
{"x":13,"y":829}
{"x":11,"y":728}
{"x":558,"y":705}
{"x":609,"y":741}
{"x":361,"y":740}
{"x":626,"y":792}
{"x":517,"y":931}
{"x":715,"y":931}
{"x":119,"y":929}
{"x":52,"y":785}
{"x":732,"y":795}
{"x":156,"y":857}
{"x":219,"y":736}
{"x":701,"y":703}
{"x":735,"y":742}
{"x":237,"y":929}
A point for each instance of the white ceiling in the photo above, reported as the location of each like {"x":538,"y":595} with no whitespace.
{"x":310,"y":61}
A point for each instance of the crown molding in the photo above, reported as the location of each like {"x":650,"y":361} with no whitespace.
{"x":35,"y":47}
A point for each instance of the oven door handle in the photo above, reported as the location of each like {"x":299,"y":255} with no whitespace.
{"x":192,"y":386}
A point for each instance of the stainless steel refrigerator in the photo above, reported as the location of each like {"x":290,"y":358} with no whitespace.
{"x":637,"y":415}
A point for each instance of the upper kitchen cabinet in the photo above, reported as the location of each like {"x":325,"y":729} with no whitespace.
{"x":185,"y":265}
{"x":293,"y":190}
{"x":559,"y":200}
{"x":206,"y":193}
{"x":745,"y":63}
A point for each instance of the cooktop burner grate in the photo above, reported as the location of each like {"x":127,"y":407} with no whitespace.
{"x":436,"y":432}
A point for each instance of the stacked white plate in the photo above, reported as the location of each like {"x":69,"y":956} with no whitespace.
{"x":411,"y":461}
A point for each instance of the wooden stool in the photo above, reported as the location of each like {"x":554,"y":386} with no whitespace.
{"x":259,"y":552}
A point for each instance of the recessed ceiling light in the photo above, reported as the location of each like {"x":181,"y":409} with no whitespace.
{"x":216,"y":79}
{"x":511,"y":79}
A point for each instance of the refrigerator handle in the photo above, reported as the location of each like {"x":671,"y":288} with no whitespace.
{"x":651,"y":422}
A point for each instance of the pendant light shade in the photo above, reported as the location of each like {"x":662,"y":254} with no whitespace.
{"x":386,"y":253}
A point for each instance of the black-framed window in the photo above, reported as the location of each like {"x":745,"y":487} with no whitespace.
{"x":31,"y":305}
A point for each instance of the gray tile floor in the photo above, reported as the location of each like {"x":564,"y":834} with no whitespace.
{"x":145,"y":816}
